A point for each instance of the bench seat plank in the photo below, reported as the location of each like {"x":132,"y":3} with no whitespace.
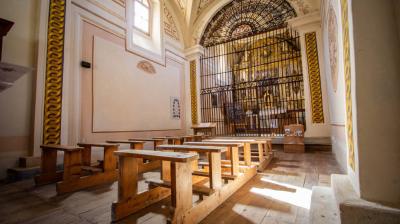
{"x":157,"y":155}
{"x":125,"y":141}
{"x":222,"y":144}
{"x":144,"y":139}
{"x":192,"y":148}
{"x":83,"y":144}
{"x":61,"y":147}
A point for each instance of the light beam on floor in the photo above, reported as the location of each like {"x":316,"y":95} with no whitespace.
{"x":297,"y":196}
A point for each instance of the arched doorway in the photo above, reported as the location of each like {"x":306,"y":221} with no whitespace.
{"x":251,"y":71}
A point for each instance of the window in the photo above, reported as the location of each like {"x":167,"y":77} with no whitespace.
{"x":141,"y":18}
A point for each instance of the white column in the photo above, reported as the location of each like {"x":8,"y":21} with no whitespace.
{"x":308,"y":24}
{"x":193,"y":105}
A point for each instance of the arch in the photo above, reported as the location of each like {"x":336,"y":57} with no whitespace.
{"x":208,"y":12}
{"x":257,"y":15}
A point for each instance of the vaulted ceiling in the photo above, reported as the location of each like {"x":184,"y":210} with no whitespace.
{"x":190,"y":9}
{"x":193,"y":15}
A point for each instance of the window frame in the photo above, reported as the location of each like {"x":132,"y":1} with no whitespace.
{"x":150,"y":17}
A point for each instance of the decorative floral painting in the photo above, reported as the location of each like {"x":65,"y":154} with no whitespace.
{"x":333,"y":45}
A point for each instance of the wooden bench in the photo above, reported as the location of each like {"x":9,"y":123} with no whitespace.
{"x":205,"y":128}
{"x":172,"y":140}
{"x":155,"y":142}
{"x":133,"y":144}
{"x":130,"y":201}
{"x":214,"y":158}
{"x":138,"y":144}
{"x":71,"y":178}
{"x":193,"y":138}
{"x":264,"y":150}
{"x":232,"y":153}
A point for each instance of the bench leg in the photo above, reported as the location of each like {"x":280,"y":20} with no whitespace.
{"x":181,"y":189}
{"x":247,"y":154}
{"x":234,"y":154}
{"x":87,"y":156}
{"x":261,"y":152}
{"x":48,"y":168}
{"x":214,"y":160}
{"x":177,"y":142}
{"x":138,"y":146}
{"x":72,"y":165}
{"x":166,"y":171}
{"x":110,"y":161}
{"x":128,"y":178}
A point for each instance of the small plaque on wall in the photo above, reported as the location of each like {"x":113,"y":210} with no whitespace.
{"x":175,"y":108}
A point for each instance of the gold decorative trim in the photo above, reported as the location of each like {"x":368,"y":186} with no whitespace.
{"x":54,"y":73}
{"x":347,"y":76}
{"x":193,"y":91}
{"x":317,"y":106}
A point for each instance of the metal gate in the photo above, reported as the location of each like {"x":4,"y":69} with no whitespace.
{"x":253,"y":85}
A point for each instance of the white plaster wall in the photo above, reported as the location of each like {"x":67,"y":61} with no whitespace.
{"x":337,"y":103}
{"x":377,"y":68}
{"x":19,"y":47}
{"x":126,"y":98}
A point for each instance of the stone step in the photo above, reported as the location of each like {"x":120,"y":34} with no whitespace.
{"x":323,"y":208}
{"x":354,"y":209}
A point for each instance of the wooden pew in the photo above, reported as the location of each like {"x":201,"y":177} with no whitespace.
{"x":264,"y":150}
{"x":155,"y":142}
{"x":214,"y":158}
{"x":193,"y":138}
{"x":71,"y":178}
{"x":130,"y":201}
{"x":232,"y":153}
{"x":205,"y":128}
{"x":172,"y":140}
{"x":133,"y":144}
{"x":109,"y":163}
{"x":138,"y":144}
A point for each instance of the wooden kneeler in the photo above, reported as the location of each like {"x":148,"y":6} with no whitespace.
{"x":232,"y":156}
{"x":76,"y":159}
{"x":214,"y":158}
{"x":220,"y":193}
{"x":264,"y":150}
{"x":129,"y":201}
{"x":138,"y":145}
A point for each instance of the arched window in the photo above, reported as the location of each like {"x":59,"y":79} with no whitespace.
{"x":141,"y":19}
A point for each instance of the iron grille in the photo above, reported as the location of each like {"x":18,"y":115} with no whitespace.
{"x":253,"y":86}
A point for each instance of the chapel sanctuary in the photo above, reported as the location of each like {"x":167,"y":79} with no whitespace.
{"x":200,"y":111}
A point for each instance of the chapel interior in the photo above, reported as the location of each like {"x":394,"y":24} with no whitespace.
{"x":200,"y":111}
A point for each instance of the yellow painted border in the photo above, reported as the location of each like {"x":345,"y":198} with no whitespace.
{"x":347,"y":76}
{"x":193,"y":91}
{"x":54,"y":73}
{"x":317,"y":107}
